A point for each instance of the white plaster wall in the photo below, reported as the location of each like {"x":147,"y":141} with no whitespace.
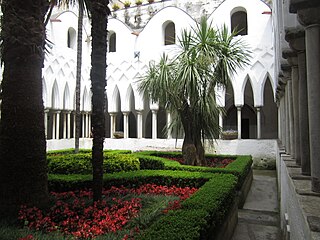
{"x":259,"y":41}
{"x":265,"y":149}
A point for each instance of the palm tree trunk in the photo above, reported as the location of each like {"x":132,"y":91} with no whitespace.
{"x":23,"y":166}
{"x":78,"y":77}
{"x":189,"y":151}
{"x":99,"y":13}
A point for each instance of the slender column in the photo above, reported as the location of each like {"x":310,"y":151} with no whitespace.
{"x":65,"y":125}
{"x":288,"y":143}
{"x":313,"y":76}
{"x":139,"y":124}
{"x":283,"y":120}
{"x":220,"y":122}
{"x":54,"y":119}
{"x":74,"y":124}
{"x":89,"y":125}
{"x":112,"y":124}
{"x":303,"y":116}
{"x":125,"y":124}
{"x":58,"y":125}
{"x":169,"y":120}
{"x":46,"y":122}
{"x":154,"y":124}
{"x":83,"y":124}
{"x":291,"y":118}
{"x":258,"y":122}
{"x":239,"y":121}
{"x":68,"y":115}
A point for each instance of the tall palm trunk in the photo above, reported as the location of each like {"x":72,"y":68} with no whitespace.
{"x":23,"y":166}
{"x":78,"y":77}
{"x":99,"y":13}
{"x":189,"y":151}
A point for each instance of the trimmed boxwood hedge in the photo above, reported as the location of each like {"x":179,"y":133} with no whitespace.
{"x":205,"y":208}
{"x":61,"y":182}
{"x":240,"y":167}
{"x":81,"y":163}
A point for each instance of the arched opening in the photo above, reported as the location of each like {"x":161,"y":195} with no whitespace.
{"x":248,"y":114}
{"x":161,"y":123}
{"x":112,"y":42}
{"x":230,"y":118}
{"x":72,"y":38}
{"x":169,"y":33}
{"x":269,"y":113}
{"x":239,"y":22}
{"x":107,"y":119}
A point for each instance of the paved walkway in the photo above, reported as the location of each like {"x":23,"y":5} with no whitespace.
{"x":259,"y":218}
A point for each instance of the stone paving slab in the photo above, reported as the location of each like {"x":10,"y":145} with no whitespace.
{"x":259,"y":218}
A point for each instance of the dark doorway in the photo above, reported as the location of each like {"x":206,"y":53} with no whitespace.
{"x":245,"y":126}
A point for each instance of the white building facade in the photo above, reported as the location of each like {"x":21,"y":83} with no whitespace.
{"x":140,"y":34}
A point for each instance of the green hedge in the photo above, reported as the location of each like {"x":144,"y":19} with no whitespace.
{"x":240,"y":167}
{"x":81,"y":163}
{"x":62,"y":182}
{"x":71,"y":151}
{"x":203,"y":210}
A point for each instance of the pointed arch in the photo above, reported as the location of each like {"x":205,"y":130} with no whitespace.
{"x":44,"y":93}
{"x":85,"y":100}
{"x":266,"y":78}
{"x":55,"y":103}
{"x":115,"y":103}
{"x":129,"y":99}
{"x":269,"y":112}
{"x":66,"y":98}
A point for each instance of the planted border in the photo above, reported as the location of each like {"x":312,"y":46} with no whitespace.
{"x":240,"y":167}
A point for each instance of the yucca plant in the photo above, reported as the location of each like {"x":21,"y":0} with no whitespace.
{"x":185,"y":85}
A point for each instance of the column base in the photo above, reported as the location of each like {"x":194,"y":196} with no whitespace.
{"x":315,"y":184}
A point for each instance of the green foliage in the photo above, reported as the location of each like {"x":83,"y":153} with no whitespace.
{"x":120,"y":162}
{"x":60,"y":182}
{"x":205,"y":208}
{"x":240,"y":167}
{"x":150,"y":162}
{"x":81,"y":163}
{"x":185,"y":84}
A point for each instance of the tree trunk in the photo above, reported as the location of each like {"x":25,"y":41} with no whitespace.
{"x":200,"y":149}
{"x":78,"y":77}
{"x":23,"y":166}
{"x":189,"y":151}
{"x":98,"y":83}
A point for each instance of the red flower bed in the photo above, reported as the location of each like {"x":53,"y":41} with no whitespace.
{"x":74,"y":214}
{"x":215,"y":162}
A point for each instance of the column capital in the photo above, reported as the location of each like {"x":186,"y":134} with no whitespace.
{"x":126,"y":113}
{"x":258,"y":108}
{"x":292,"y":58}
{"x":309,"y":16}
{"x":238,"y":107}
{"x":295,"y":5}
{"x":113,"y":113}
{"x":296,"y":38}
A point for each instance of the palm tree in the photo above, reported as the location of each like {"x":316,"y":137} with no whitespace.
{"x":186,"y":84}
{"x":99,"y":13}
{"x":23,"y":166}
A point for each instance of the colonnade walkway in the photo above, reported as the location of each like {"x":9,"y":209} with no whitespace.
{"x":259,"y":218}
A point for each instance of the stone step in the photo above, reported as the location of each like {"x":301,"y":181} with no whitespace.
{"x":267,"y":218}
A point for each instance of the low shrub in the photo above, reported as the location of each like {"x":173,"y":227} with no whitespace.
{"x":150,"y":162}
{"x":120,"y":162}
{"x":60,"y":182}
{"x":201,"y":212}
{"x":240,"y":167}
{"x":81,"y":163}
